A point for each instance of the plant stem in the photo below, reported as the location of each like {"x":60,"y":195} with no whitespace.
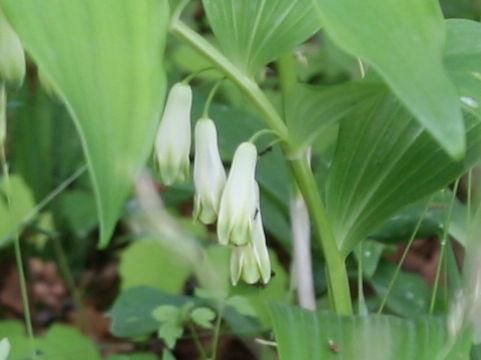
{"x":215,"y":341}
{"x":210,"y":97}
{"x":444,"y":239}
{"x":299,"y":214}
{"x":24,"y":291}
{"x":18,"y":259}
{"x":64,"y":266}
{"x":247,"y":85}
{"x":403,"y":258}
{"x":51,"y":196}
{"x":336,"y":271}
{"x":197,"y":342}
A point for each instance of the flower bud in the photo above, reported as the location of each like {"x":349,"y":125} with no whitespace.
{"x":172,"y":145}
{"x":12,"y":56}
{"x":209,"y":173}
{"x":238,"y":203}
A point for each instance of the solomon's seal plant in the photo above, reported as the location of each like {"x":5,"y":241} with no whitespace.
{"x":387,"y":98}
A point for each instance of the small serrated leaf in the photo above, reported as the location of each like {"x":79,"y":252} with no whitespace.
{"x":170,"y":333}
{"x":203,"y":317}
{"x":166,"y":313}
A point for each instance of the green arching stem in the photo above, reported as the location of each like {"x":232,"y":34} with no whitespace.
{"x":337,"y":275}
{"x":210,"y":97}
{"x":247,"y":85}
{"x":444,"y":239}
{"x":336,"y":271}
{"x":192,"y":76}
{"x":403,"y":257}
{"x":178,"y":10}
{"x":257,"y":135}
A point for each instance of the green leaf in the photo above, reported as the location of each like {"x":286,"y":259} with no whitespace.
{"x":371,"y":255}
{"x":203,"y":317}
{"x":78,"y":208}
{"x":167,"y":313}
{"x":401,"y":226}
{"x":409,"y":296}
{"x":303,"y":334}
{"x":462,"y":57}
{"x":170,"y":333}
{"x":311,"y":110}
{"x":254,"y":33}
{"x":132,"y":311}
{"x":45,"y":146}
{"x":385,"y":161}
{"x":21,"y":204}
{"x":60,"y":342}
{"x":104,"y":58}
{"x":404,"y":42}
{"x":167,"y":355}
{"x":151,"y":263}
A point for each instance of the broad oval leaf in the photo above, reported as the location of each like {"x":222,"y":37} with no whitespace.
{"x":253,"y":33}
{"x":404,"y":41}
{"x":104,"y":58}
{"x":384,"y":161}
{"x":312,"y":109}
{"x":302,"y":334}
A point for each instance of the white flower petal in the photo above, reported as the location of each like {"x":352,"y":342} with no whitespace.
{"x":172,"y":145}
{"x":209,"y":173}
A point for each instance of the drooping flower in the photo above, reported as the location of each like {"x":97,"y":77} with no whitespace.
{"x":172,"y":145}
{"x":209,"y":173}
{"x":12,"y":56}
{"x":251,"y":262}
{"x":238,"y":203}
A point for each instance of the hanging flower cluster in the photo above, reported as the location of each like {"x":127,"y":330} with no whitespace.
{"x":233,"y":200}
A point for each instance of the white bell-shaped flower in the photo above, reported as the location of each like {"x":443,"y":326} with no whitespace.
{"x":12,"y":56}
{"x":251,"y":262}
{"x":172,"y":145}
{"x":238,"y":203}
{"x":209,"y":173}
